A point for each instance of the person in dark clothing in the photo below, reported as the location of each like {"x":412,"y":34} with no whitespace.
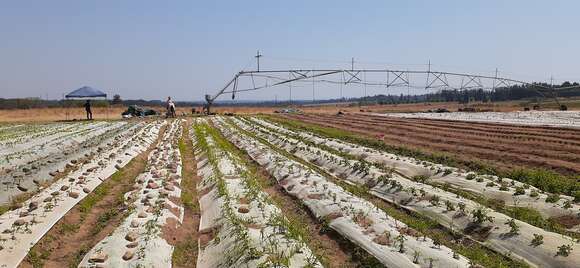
{"x":88,"y":109}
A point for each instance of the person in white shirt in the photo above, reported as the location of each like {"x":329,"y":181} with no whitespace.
{"x":170,"y":107}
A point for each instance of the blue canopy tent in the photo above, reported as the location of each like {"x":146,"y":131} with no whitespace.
{"x":86,"y":93}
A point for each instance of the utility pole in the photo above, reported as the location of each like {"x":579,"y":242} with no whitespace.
{"x":290,"y":88}
{"x":428,"y":72}
{"x":313,"y":99}
{"x":352,"y":64}
{"x":494,"y":80}
{"x":258,"y":56}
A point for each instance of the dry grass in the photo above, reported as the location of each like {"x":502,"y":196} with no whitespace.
{"x":73,"y":113}
{"x":78,"y":113}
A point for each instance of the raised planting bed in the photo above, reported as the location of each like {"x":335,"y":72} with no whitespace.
{"x":390,"y":241}
{"x":531,"y":118}
{"x":240,"y":226}
{"x":505,"y":190}
{"x":505,"y":235}
{"x":32,"y":163}
{"x":22,"y":227}
{"x":154,"y":211}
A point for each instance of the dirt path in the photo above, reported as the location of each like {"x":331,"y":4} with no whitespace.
{"x":90,"y":220}
{"x":184,"y":237}
{"x":505,"y":146}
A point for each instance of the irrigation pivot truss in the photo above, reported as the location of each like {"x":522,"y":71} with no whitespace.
{"x":389,"y":78}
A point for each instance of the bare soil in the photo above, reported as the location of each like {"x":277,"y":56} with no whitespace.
{"x":503,"y":145}
{"x":184,"y":236}
{"x":330,"y":246}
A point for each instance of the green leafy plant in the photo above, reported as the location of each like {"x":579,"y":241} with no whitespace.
{"x":553,"y":198}
{"x":401,"y":240}
{"x":449,"y":205}
{"x":461,"y":206}
{"x":416,"y":255}
{"x":421,"y":178}
{"x":514,"y":228}
{"x":480,"y":216}
{"x":567,"y":204}
{"x":537,"y":240}
{"x":520,"y":190}
{"x":504,"y":187}
{"x":564,"y":250}
{"x":434,"y":200}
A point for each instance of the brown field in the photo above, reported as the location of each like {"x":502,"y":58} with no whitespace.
{"x":506,"y":106}
{"x":505,"y":146}
{"x":347,"y":107}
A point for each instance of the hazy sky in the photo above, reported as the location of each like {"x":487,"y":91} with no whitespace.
{"x":151,"y":49}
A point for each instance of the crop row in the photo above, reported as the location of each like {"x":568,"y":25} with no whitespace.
{"x":240,"y":225}
{"x":383,"y":175}
{"x":392,"y":242}
{"x":153,"y":205}
{"x":23,"y":226}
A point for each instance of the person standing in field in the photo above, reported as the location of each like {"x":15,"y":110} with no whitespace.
{"x":88,"y":110}
{"x":170,"y":107}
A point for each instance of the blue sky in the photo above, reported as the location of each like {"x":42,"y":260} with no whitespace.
{"x":151,"y":49}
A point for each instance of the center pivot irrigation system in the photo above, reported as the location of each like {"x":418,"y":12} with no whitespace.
{"x":389,"y":78}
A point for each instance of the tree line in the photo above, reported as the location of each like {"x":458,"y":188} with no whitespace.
{"x":534,"y":91}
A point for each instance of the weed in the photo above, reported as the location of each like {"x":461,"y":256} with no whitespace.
{"x":67,"y":228}
{"x":36,"y":259}
{"x":104,"y":219}
{"x":78,"y":256}
{"x":183,"y":253}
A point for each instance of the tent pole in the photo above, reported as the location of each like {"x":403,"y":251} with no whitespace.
{"x":65,"y":107}
{"x":108,"y":107}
